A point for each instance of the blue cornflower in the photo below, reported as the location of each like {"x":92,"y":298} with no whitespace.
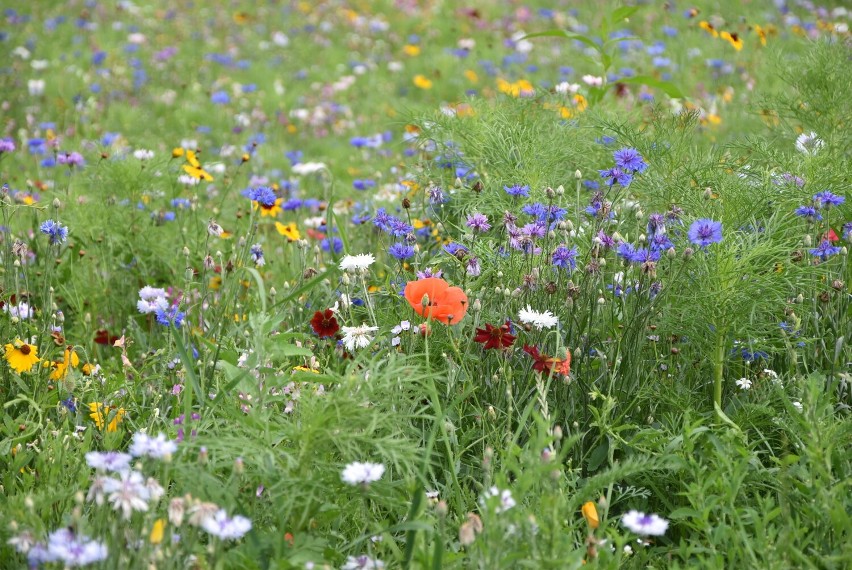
{"x":565,"y":257}
{"x":256,"y":253}
{"x":656,"y":224}
{"x":70,"y":403}
{"x":454,"y":248}
{"x":56,"y":231}
{"x":181,"y":203}
{"x":644,"y":255}
{"x":626,"y":251}
{"x":220,"y":98}
{"x":170,"y":316}
{"x":827,"y":199}
{"x":398,"y":228}
{"x":336,"y":244}
{"x":825,"y":250}
{"x":291,"y":204}
{"x":535,"y":209}
{"x":359,"y":184}
{"x":629,"y":159}
{"x":703,"y":232}
{"x":809,"y":213}
{"x":382,"y":219}
{"x":401,"y":251}
{"x":615,"y":176}
{"x":517,"y":190}
{"x":660,"y":242}
{"x":262,"y":195}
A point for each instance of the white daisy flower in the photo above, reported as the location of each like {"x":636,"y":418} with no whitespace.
{"x":358,"y":337}
{"x":809,"y":143}
{"x":109,"y":461}
{"x":362,"y":562}
{"x":744,"y":383}
{"x":643,"y":524}
{"x":222,"y":526}
{"x":128,"y":493}
{"x":506,"y":499}
{"x":537,"y":319}
{"x":156,"y":447}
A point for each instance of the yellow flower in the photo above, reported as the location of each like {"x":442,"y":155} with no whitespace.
{"x":101,"y":414}
{"x":197,"y":172}
{"x":708,"y":27}
{"x":270,"y":211}
{"x":157,"y":531}
{"x":290,"y":231}
{"x":471,"y":76}
{"x":733,"y":39}
{"x":422,"y":82}
{"x":215,"y":282}
{"x":61,"y":368}
{"x":411,"y":50}
{"x":21,"y":356}
{"x":177,"y":152}
{"x":519,"y":88}
{"x":305,"y":369}
{"x":590,"y":513}
{"x":761,"y":33}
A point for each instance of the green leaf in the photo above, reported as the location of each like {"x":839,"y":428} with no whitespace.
{"x":289,"y":351}
{"x":684,"y":513}
{"x":666,"y":87}
{"x":598,"y":455}
{"x":623,"y":13}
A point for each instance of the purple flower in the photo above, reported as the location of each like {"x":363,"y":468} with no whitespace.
{"x":55,"y":231}
{"x":71,"y":159}
{"x":827,"y":199}
{"x":606,"y":241}
{"x":703,"y":232}
{"x":429,"y":272}
{"x":401,"y":251}
{"x":661,"y":242}
{"x":7,"y":145}
{"x":629,"y":159}
{"x":436,"y":195}
{"x":473,"y":268}
{"x":616,"y":176}
{"x":825,"y":250}
{"x":262,"y":195}
{"x":565,"y":257}
{"x":644,"y":255}
{"x":478,"y":223}
{"x":656,"y":224}
{"x":809,"y":213}
{"x":517,"y":190}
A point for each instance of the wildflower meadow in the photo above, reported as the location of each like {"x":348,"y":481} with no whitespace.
{"x":425,"y":284}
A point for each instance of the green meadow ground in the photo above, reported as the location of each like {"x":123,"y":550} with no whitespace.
{"x":425,"y":285}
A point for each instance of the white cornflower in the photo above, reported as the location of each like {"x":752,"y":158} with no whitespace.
{"x":358,"y":262}
{"x":65,"y":546}
{"x":22,"y":542}
{"x":357,"y":337}
{"x":222,"y":526}
{"x":362,"y":473}
{"x":155,"y":447}
{"x":188,"y":180}
{"x":143,"y":154}
{"x":809,"y":143}
{"x":506,"y":500}
{"x":96,"y":489}
{"x":362,"y":562}
{"x":798,"y":405}
{"x":304,"y":168}
{"x":108,"y":461}
{"x":744,"y":383}
{"x":151,"y":300}
{"x":22,"y":310}
{"x":643,"y":524}
{"x":128,"y":493}
{"x":537,"y":319}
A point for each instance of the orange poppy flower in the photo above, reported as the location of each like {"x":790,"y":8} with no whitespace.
{"x":446,"y":304}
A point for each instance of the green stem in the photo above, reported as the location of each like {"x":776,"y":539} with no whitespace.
{"x":719,"y":368}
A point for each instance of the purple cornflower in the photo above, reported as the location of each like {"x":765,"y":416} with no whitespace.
{"x":478,"y":223}
{"x":7,"y":145}
{"x":606,"y":240}
{"x":825,"y":250}
{"x":615,"y":176}
{"x":170,"y":316}
{"x":827,"y":199}
{"x":535,"y":230}
{"x":473,"y":268}
{"x":436,"y":195}
{"x":809,"y":213}
{"x":703,"y":232}
{"x":565,"y":257}
{"x":429,"y":272}
{"x":629,"y":159}
{"x":71,"y":159}
{"x":56,"y":231}
{"x":847,"y":230}
{"x":656,"y":224}
{"x":256,"y":253}
{"x":401,"y":251}
{"x":262,"y":195}
{"x":517,"y":190}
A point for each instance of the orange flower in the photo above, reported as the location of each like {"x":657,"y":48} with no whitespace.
{"x":590,"y":513}
{"x":433,"y":298}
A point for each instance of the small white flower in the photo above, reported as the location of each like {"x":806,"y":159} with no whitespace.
{"x":537,"y":319}
{"x":22,"y":310}
{"x":358,"y":337}
{"x":358,"y":262}
{"x":143,"y":154}
{"x":744,"y":383}
{"x":809,"y":143}
{"x":35,"y":87}
{"x":224,"y":527}
{"x":188,"y":180}
{"x":798,"y":405}
{"x":593,"y":80}
{"x":643,"y":524}
{"x":362,"y":562}
{"x":362,"y":473}
{"x":565,"y":88}
{"x":772,"y":375}
{"x":128,"y":493}
{"x":506,"y":499}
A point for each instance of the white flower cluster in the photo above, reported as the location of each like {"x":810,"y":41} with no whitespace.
{"x":362,"y":473}
{"x":539,"y":320}
{"x":151,"y":300}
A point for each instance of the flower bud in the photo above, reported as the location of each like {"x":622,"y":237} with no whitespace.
{"x":577,"y":174}
{"x":56,"y":203}
{"x":807,"y":241}
{"x":687,"y":253}
{"x":671,"y":253}
{"x":560,"y":190}
{"x":708,"y":194}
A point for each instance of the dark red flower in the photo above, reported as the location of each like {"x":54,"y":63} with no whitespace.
{"x":324,"y":324}
{"x":547,"y":364}
{"x":102,"y":336}
{"x":495,"y":337}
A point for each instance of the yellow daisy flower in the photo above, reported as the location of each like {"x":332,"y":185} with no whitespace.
{"x":101,"y":414}
{"x":290,"y":231}
{"x":21,"y":356}
{"x":270,"y":211}
{"x":60,"y":370}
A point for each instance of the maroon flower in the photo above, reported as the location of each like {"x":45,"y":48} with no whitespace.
{"x":324,"y":324}
{"x":547,"y":364}
{"x":495,"y":337}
